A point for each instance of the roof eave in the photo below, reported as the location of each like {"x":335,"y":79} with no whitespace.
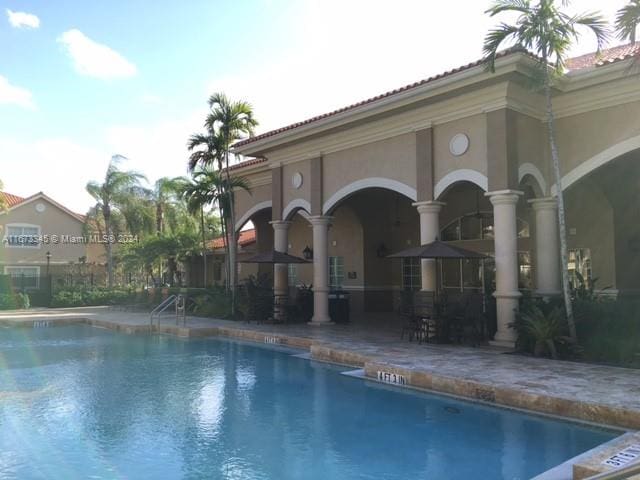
{"x":514,"y":61}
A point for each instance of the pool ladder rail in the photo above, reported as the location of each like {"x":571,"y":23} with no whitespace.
{"x":621,"y":473}
{"x":180,"y":302}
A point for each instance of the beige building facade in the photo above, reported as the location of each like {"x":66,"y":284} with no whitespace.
{"x":462,"y":157}
{"x":41,"y":237}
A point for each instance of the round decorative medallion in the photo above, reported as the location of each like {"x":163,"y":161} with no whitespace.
{"x":40,"y":207}
{"x":296,"y":180}
{"x":459,"y":144}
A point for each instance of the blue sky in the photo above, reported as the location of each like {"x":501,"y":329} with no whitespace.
{"x":82,"y":80}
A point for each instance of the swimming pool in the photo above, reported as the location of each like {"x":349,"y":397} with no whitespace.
{"x":80,"y":402}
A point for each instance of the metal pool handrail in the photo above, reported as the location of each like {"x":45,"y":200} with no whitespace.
{"x":619,"y":473}
{"x":166,"y":303}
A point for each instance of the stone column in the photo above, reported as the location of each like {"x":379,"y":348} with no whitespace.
{"x":280,"y":244}
{"x":506,"y":258}
{"x":429,"y":230}
{"x":547,"y":246}
{"x":320,"y":226}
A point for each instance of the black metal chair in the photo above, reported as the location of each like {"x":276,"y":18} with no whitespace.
{"x":428,"y":322}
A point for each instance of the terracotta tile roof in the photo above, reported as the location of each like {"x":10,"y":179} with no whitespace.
{"x":247,"y":237}
{"x":378,"y":97}
{"x":606,"y":57}
{"x":12,"y":200}
{"x":247,"y":163}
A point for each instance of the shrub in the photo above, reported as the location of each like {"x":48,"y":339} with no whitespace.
{"x":542,"y":330}
{"x":100,"y":296}
{"x":214,"y":302}
{"x":11,"y":301}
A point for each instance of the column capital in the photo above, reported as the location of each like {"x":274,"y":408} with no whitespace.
{"x":504,"y":197}
{"x":544,"y":203}
{"x":280,"y":224}
{"x":320,"y":220}
{"x":429,"y":206}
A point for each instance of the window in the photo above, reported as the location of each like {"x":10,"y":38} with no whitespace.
{"x":217,"y":271}
{"x":24,"y":277}
{"x":336,"y":272}
{"x":411,"y":274}
{"x":580,"y":266}
{"x":477,"y":226}
{"x":292,"y":274}
{"x":451,"y":273}
{"x":22,"y":236}
{"x":524,"y":270}
{"x":472,"y":273}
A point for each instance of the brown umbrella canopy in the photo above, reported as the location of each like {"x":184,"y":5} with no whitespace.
{"x":437,"y":249}
{"x":274,"y":257}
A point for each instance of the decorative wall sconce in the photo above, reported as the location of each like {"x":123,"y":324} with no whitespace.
{"x":307,"y":253}
{"x":383,"y":251}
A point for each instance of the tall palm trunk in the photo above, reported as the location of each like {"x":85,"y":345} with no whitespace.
{"x":555,"y":160}
{"x":159,"y":218}
{"x":106,"y":213}
{"x":223,"y":227}
{"x":232,"y":242}
{"x":204,"y":248}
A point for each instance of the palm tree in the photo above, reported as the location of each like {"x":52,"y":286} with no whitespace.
{"x":113,"y":193}
{"x":207,"y":149}
{"x":543,"y":28}
{"x":233,"y":121}
{"x":163,"y":198}
{"x":210,"y":188}
{"x":627,"y":20}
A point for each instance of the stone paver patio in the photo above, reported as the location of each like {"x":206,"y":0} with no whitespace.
{"x":596,"y":393}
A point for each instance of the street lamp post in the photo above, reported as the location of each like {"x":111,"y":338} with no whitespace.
{"x":48,"y":255}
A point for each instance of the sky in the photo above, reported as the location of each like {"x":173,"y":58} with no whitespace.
{"x":81,"y":81}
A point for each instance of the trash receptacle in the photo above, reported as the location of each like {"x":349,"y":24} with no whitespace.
{"x":339,"y":306}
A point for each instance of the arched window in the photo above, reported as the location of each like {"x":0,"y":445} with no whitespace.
{"x":477,"y":226}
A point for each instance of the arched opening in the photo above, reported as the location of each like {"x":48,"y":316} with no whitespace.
{"x":467,"y":220}
{"x":603,"y":232}
{"x":369,"y":224}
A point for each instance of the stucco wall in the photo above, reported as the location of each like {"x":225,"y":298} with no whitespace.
{"x":393,"y":158}
{"x":475,"y":158}
{"x":289,"y":192}
{"x":582,"y":136}
{"x":590,"y":224}
{"x":53,"y":221}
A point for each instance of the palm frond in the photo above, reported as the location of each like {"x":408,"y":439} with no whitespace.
{"x":627,"y":20}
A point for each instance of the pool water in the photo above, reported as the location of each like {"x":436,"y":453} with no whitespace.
{"x":78,"y":402}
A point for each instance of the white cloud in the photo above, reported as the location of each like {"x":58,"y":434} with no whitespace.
{"x":59,"y":167}
{"x":156,"y":149}
{"x":151,"y":99}
{"x":94,"y":59}
{"x":23,"y":20}
{"x":12,"y":95}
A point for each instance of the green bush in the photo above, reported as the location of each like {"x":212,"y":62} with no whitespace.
{"x":215,"y":302}
{"x":11,"y":301}
{"x":95,"y":297}
{"x":609,"y":330}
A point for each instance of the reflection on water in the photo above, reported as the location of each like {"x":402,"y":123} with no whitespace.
{"x":78,"y":402}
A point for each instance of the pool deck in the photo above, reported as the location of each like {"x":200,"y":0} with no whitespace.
{"x":595,"y":393}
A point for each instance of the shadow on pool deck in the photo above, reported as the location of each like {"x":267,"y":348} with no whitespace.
{"x":595,"y":393}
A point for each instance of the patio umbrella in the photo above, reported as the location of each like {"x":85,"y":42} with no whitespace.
{"x":438,"y":250}
{"x":274,"y":257}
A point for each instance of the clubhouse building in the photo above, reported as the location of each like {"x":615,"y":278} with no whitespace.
{"x":462,"y":157}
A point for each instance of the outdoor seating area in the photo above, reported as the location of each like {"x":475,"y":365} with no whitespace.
{"x":428,"y":318}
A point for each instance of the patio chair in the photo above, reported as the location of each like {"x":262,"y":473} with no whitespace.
{"x":405,"y":312}
{"x":428,"y":323}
